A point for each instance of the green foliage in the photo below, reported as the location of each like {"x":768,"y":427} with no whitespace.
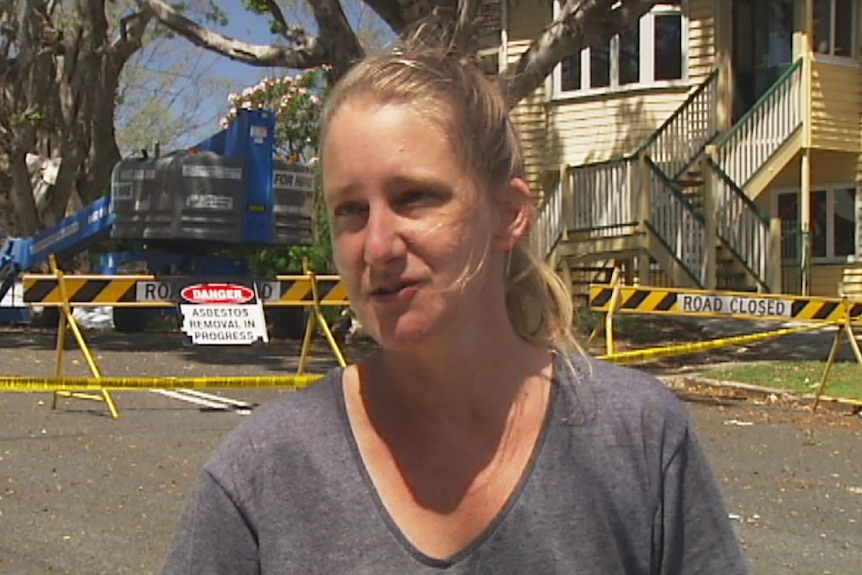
{"x":297,"y":101}
{"x":32,"y":118}
{"x":802,"y":377}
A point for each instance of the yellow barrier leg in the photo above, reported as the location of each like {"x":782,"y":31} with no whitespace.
{"x":330,"y":338}
{"x":104,"y":395}
{"x":306,"y":343}
{"x":833,"y":354}
{"x":317,"y":317}
{"x":612,"y":308}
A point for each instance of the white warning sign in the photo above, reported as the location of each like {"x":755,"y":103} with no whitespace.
{"x":224,"y":324}
{"x":222,"y":314}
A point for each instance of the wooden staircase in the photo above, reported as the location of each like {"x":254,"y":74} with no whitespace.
{"x":674,"y":211}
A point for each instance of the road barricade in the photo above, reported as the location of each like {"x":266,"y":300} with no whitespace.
{"x":803,"y":313}
{"x":68,"y":291}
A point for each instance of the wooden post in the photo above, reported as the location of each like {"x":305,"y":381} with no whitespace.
{"x":805,"y":221}
{"x":710,"y":243}
{"x":568,"y":200}
{"x":773,"y":258}
{"x":644,"y":210}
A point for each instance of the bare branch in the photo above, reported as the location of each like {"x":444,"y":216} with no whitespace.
{"x":277,"y":15}
{"x":132,"y":28}
{"x":581,"y":24}
{"x":337,"y":37}
{"x":305,"y":54}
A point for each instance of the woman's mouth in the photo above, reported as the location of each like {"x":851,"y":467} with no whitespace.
{"x":394,"y":291}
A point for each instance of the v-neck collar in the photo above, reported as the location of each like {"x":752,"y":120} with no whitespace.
{"x":491,"y":528}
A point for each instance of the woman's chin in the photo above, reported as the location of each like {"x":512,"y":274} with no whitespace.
{"x":402,"y":335}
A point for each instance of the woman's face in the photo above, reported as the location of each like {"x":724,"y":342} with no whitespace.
{"x":410,"y":229}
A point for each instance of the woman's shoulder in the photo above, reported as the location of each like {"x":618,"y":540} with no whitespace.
{"x":607,"y":391}
{"x":299,"y":422}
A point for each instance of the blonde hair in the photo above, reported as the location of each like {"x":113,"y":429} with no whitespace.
{"x":475,"y":112}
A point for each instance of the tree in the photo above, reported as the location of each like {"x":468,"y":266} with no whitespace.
{"x":580,"y":23}
{"x":61,"y":66}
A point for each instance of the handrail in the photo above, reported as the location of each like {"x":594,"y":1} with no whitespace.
{"x":741,"y":226}
{"x":677,"y":224}
{"x":683,"y":136}
{"x":761,"y":101}
{"x":748,"y":146}
{"x":709,"y":79}
{"x":738,"y":191}
{"x":672,"y":187}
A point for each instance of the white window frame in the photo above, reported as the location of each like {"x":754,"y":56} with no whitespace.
{"x":830,"y":189}
{"x":647,"y":58}
{"x":854,"y":35}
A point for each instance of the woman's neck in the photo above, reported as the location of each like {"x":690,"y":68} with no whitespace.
{"x":470,"y":384}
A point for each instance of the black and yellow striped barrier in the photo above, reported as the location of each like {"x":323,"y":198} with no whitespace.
{"x":724,"y":304}
{"x":298,"y":290}
{"x":156,"y":291}
{"x":813,"y":313}
{"x":93,"y":384}
{"x":81,"y":289}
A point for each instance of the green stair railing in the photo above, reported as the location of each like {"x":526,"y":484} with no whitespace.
{"x":761,"y":132}
{"x":741,"y":226}
{"x":677,"y":224}
{"x":680,"y":140}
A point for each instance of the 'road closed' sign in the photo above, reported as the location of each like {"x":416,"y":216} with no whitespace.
{"x":735,"y":305}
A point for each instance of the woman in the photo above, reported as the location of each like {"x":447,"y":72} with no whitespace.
{"x":474,"y":440}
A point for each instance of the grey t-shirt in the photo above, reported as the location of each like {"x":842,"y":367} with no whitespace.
{"x":617,"y":485}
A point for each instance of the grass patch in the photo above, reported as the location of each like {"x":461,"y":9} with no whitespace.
{"x":845,"y":378}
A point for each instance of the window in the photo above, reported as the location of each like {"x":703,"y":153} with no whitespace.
{"x":834,"y":25}
{"x":652,"y":50}
{"x":834,"y":226}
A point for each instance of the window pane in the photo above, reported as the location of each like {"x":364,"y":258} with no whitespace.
{"x":788,"y":213}
{"x":668,"y":46}
{"x":822,"y":26}
{"x":844,"y":226}
{"x":570,"y":73}
{"x":630,"y":55}
{"x":843,"y":28}
{"x":818,"y":224}
{"x":600,"y":66}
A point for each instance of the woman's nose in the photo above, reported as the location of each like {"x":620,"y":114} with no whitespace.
{"x":383,"y":237}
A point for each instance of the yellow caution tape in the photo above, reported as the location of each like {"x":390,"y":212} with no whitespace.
{"x":655,"y":353}
{"x":48,"y":384}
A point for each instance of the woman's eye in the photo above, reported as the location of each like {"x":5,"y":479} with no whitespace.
{"x":420,"y":196}
{"x":348,"y":209}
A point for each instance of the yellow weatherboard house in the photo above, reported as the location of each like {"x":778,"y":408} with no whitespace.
{"x":715,"y":144}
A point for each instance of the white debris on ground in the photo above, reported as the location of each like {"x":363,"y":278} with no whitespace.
{"x":94,"y":317}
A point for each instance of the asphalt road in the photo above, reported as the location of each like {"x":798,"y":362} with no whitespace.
{"x":81,"y":493}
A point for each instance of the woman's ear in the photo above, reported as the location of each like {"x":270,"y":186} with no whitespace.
{"x":516,"y":215}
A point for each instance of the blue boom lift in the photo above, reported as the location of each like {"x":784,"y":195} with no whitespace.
{"x":228,"y":190}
